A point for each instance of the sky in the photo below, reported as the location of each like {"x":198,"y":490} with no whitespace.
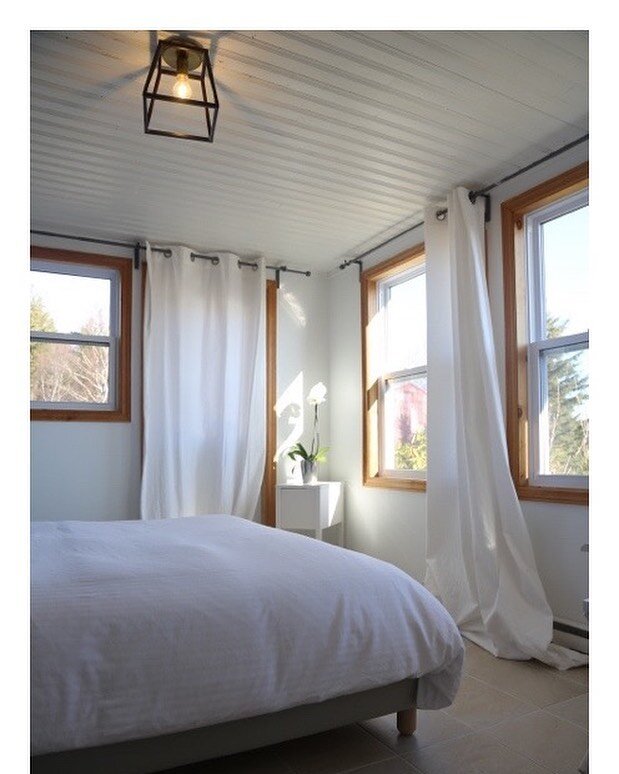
{"x":72,"y":300}
{"x":566,"y":269}
{"x":407,"y":312}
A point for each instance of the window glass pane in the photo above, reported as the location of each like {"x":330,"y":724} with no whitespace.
{"x":565,"y":251}
{"x":565,"y":382}
{"x":62,"y":373}
{"x":405,"y":424}
{"x":405,"y":324}
{"x":65,"y":303}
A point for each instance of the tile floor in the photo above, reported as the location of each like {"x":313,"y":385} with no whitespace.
{"x":508,"y":718}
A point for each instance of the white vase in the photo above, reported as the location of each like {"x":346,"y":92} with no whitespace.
{"x":309,"y":471}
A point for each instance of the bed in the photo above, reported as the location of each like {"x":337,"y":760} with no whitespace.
{"x":156,"y":644}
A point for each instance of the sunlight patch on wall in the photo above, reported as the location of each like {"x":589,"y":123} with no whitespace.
{"x":292,"y":306}
{"x":289,"y":410}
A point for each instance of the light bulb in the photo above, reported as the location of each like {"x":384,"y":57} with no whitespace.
{"x":182,"y":87}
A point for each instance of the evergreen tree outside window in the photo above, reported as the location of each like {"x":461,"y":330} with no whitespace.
{"x":556,"y":240}
{"x":545,"y":275}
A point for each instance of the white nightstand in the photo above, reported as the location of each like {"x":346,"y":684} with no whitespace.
{"x":310,"y":506}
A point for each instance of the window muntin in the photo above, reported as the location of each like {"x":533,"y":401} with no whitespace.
{"x":558,"y":342}
{"x":80,"y":342}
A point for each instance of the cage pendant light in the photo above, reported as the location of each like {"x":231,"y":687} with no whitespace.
{"x":179,"y":96}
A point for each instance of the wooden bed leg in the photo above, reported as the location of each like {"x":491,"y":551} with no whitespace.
{"x":407,"y":721}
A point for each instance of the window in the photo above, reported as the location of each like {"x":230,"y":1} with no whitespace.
{"x":395,"y":375}
{"x":547,"y":338}
{"x":80,"y":328}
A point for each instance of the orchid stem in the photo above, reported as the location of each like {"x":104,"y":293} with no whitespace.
{"x":314,"y":432}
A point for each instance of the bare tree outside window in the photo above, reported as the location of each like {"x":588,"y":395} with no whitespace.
{"x":67,"y":373}
{"x":80,"y":336}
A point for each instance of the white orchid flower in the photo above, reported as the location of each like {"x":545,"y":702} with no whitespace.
{"x":317,"y":395}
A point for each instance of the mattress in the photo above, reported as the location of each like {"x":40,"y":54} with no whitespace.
{"x":147,"y":628}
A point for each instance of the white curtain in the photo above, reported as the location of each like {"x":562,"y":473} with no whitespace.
{"x":480,"y":561}
{"x":204,"y":386}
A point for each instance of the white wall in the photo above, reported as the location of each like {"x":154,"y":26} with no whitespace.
{"x":303,"y":333}
{"x":302,"y":360}
{"x":390,"y":524}
{"x":90,"y":470}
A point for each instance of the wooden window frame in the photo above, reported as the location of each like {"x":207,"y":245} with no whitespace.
{"x":122,"y":410}
{"x":370,"y":279}
{"x":270,"y":463}
{"x":513,"y":212}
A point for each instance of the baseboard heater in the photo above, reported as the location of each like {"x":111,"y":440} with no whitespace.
{"x":569,"y":629}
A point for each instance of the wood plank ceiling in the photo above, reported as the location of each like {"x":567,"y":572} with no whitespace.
{"x":327,"y":142}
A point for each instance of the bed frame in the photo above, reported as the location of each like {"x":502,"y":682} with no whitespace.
{"x":144,"y":756}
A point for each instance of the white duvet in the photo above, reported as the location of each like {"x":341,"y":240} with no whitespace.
{"x":146,"y":628}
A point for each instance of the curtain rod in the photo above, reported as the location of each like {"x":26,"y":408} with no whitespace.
{"x":473,"y":196}
{"x":137,"y":246}
{"x":547,"y":157}
{"x":358,"y":260}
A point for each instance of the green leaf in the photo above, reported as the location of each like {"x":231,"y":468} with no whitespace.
{"x":302,"y":451}
{"x":298,"y":450}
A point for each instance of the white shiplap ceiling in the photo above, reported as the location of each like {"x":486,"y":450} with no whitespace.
{"x":326,"y":144}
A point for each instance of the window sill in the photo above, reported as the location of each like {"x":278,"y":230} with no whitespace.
{"x":388,"y":482}
{"x":550,"y":494}
{"x":74,"y":415}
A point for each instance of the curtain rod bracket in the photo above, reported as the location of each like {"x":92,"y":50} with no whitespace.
{"x":474,"y":195}
{"x":359,"y":263}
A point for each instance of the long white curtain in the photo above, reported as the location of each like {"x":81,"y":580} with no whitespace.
{"x":480,"y":561}
{"x":204,"y":386}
